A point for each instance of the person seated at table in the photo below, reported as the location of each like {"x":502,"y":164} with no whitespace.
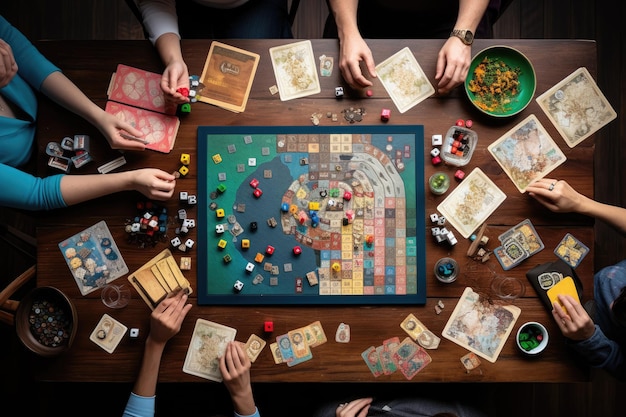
{"x":165,"y":322}
{"x":25,"y":72}
{"x":403,"y":407}
{"x":355,"y":20}
{"x":600,"y":334}
{"x":166,"y":21}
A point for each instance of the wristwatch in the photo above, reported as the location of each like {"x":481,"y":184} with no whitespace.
{"x":466,"y":36}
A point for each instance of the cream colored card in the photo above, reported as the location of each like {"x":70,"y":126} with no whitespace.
{"x":295,"y":70}
{"x":208,"y":343}
{"x":108,"y":333}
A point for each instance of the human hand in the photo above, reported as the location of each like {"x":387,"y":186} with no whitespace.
{"x":574,"y":322}
{"x":355,"y":408}
{"x":117,"y":131}
{"x":153,"y":183}
{"x":235,"y":368}
{"x":175,"y":76}
{"x":453,"y":62}
{"x":354,"y":50}
{"x":167,"y":317}
{"x":8,"y":66}
{"x":557,"y":195}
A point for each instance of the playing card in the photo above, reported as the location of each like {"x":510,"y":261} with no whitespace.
{"x":410,"y":358}
{"x":295,"y":70}
{"x":227,"y":76}
{"x":412,"y":326}
{"x":342,"y":335}
{"x":576,"y":107}
{"x":276,"y":353}
{"x":385,"y":354}
{"x":208,"y":343}
{"x":315,"y":335}
{"x":404,"y":80}
{"x":471,"y":202}
{"x":284,"y":345}
{"x":108,"y":333}
{"x":371,"y":358}
{"x":298,"y":343}
{"x":254,"y":346}
{"x":470,"y":361}
{"x":527,"y":153}
{"x":526,"y":235}
{"x":571,"y":250}
{"x":428,"y":340}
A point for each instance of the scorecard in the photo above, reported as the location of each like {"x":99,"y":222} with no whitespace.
{"x":311,"y":215}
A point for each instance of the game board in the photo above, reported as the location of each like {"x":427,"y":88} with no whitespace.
{"x":350,"y":198}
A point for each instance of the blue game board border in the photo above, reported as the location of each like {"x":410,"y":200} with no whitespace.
{"x":283,"y":299}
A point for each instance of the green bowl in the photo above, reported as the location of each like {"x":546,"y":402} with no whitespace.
{"x":504,"y":102}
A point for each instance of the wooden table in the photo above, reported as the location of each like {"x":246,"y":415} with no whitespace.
{"x":90,"y":64}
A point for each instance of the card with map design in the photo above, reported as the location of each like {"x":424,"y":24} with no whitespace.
{"x":577,"y":107}
{"x":208,"y":343}
{"x":295,"y":70}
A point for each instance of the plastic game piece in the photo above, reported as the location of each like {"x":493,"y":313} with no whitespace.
{"x":185,"y":159}
{"x":336,"y":266}
{"x":385,"y":115}
{"x":268,"y":326}
{"x":339,"y":92}
{"x":254,"y":183}
{"x":185,"y":108}
{"x":238,"y":286}
{"x":460,"y":123}
{"x":192,"y":199}
{"x":227,"y":258}
{"x":183,"y":195}
{"x":342,"y":335}
{"x":217,"y":158}
{"x":134,"y":333}
{"x":347,"y":195}
{"x":221,"y":244}
{"x":297,"y":250}
{"x":245,"y":243}
{"x":221,"y":188}
{"x":184,"y":91}
{"x":436,"y":160}
{"x":469,"y":123}
{"x":176,"y":242}
{"x":437,"y":140}
{"x":369,"y":240}
{"x":293,"y":209}
{"x":259,"y":257}
{"x":189,"y":243}
{"x":459,"y":175}
{"x":183,"y":170}
{"x":251,"y":162}
{"x":435,"y":152}
{"x":253,"y":226}
{"x":257,"y":192}
{"x":271,"y":222}
{"x":269,"y":250}
{"x":314,"y":205}
{"x":220,"y":213}
{"x":249,"y":267}
{"x":185,"y":263}
{"x":369,"y":93}
{"x":284,"y":207}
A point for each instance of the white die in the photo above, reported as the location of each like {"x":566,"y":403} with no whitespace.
{"x":134,"y":333}
{"x":182,"y":214}
{"x":189,"y":243}
{"x":250,"y":267}
{"x":434,"y":217}
{"x":435,"y":152}
{"x":176,"y":242}
{"x":437,"y":140}
{"x":183,"y":196}
{"x":441,"y":221}
{"x":189,"y":223}
{"x":192,"y":199}
{"x":238,"y":286}
{"x":219,"y":228}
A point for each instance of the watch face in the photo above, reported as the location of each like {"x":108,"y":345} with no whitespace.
{"x":469,"y":36}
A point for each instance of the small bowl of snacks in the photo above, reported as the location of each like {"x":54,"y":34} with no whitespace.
{"x":45,"y":321}
{"x":458,"y":146}
{"x":532,"y":338}
{"x":501,"y":81}
{"x":439,"y":183}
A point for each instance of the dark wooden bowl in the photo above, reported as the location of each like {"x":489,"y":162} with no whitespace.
{"x":46,"y":321}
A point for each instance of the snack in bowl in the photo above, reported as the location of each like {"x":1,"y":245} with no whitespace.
{"x":501,"y":81}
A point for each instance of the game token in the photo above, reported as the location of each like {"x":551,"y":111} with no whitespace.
{"x":343,"y":333}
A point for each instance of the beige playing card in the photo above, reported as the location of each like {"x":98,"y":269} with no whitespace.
{"x":412,"y":326}
{"x":278,"y":358}
{"x":404,"y":80}
{"x":295,"y":70}
{"x":108,"y":333}
{"x":254,"y":346}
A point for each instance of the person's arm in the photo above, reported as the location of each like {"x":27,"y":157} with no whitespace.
{"x":353,"y":49}
{"x":562,"y":198}
{"x":165,"y":322}
{"x":151,"y":182}
{"x":355,"y":408}
{"x":455,"y":57}
{"x":235,"y":368}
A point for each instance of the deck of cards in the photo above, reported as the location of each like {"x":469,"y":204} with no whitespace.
{"x":295,"y":346}
{"x":406,"y":356}
{"x":518,"y":243}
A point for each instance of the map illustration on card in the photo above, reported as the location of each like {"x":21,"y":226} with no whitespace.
{"x":295,"y":70}
{"x":208,"y":343}
{"x":135,"y":96}
{"x":481,"y":326}
{"x":93,"y":258}
{"x":577,"y":107}
{"x":472,"y":202}
{"x":527,"y":153}
{"x":404,"y":80}
{"x":227,"y":76}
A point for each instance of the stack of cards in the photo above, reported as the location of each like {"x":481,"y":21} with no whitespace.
{"x":393,"y":355}
{"x":420,"y":333}
{"x":208,"y":344}
{"x":571,"y":250}
{"x":518,"y":243}
{"x":295,"y":346}
{"x":545,"y":276}
{"x":108,"y":333}
{"x":93,"y":258}
{"x":158,"y":278}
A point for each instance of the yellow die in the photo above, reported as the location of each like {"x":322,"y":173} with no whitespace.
{"x":183,"y":170}
{"x":221,"y":244}
{"x":217,"y":158}
{"x":185,"y":159}
{"x":220,"y":213}
{"x":245,"y":243}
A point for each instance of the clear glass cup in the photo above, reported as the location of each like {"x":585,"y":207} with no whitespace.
{"x":115,"y":296}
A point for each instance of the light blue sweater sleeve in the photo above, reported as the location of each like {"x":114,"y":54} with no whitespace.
{"x":138,"y":406}
{"x":25,"y":191}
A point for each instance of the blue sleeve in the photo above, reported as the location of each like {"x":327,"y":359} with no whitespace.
{"x":256,"y":414}
{"x":138,"y":406}
{"x":601,"y":352}
{"x":28,"y":192}
{"x":32,"y":65}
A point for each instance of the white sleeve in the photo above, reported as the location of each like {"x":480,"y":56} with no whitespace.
{"x":159,"y":17}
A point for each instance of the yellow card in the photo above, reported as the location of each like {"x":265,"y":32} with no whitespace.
{"x":565,"y":286}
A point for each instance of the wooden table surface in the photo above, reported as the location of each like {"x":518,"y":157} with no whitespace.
{"x":90,"y":65}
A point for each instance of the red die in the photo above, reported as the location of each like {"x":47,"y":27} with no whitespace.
{"x":347,"y":195}
{"x":385,"y":115}
{"x":257,"y":192}
{"x":269,"y":250}
{"x":436,"y":160}
{"x":297,"y":250}
{"x":183,"y":91}
{"x":459,"y":175}
{"x":268,"y":326}
{"x":460,"y":123}
{"x":254,"y":183}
